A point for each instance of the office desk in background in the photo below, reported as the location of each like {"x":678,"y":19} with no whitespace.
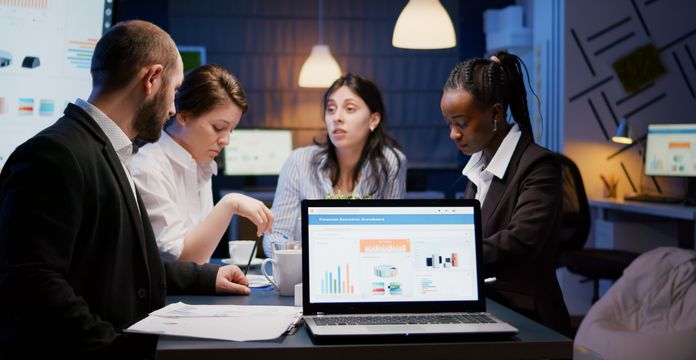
{"x":533,"y":340}
{"x":639,"y":212}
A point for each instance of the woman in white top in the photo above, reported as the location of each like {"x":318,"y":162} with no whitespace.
{"x":173,"y":175}
{"x":356,"y":159}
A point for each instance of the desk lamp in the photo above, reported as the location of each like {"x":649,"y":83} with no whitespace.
{"x":623,"y":133}
{"x":623,"y":136}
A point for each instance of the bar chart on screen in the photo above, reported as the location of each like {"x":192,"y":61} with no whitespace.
{"x":337,"y":282}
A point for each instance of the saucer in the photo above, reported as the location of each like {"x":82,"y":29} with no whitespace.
{"x":254,"y":262}
{"x":257,"y":281}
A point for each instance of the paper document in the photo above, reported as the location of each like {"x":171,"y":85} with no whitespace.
{"x":223,"y":322}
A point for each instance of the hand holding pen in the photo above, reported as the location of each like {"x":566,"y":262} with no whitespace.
{"x":253,"y":252}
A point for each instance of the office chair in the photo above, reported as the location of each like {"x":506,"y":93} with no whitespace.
{"x":591,"y":263}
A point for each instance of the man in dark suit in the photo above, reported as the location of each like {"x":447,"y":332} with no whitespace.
{"x":78,"y":258}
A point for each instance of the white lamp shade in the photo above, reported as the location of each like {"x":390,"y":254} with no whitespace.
{"x":424,"y":24}
{"x":320,"y":69}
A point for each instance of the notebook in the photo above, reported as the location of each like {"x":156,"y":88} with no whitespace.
{"x":394,"y":268}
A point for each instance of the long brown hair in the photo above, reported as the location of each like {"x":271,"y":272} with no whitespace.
{"x":377,"y":140}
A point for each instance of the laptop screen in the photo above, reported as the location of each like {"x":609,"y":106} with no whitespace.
{"x":391,"y":251}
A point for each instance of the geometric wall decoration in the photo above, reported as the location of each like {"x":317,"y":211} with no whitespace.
{"x":611,"y":73}
{"x":639,"y":67}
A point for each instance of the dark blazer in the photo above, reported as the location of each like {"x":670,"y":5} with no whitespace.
{"x":78,"y":258}
{"x":520,"y":218}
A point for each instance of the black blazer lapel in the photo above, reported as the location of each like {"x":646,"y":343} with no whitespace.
{"x":493,"y":196}
{"x":147,"y":234}
{"x":112,"y":159}
{"x":498,"y":186}
{"x":124,"y":184}
{"x":470,"y":191}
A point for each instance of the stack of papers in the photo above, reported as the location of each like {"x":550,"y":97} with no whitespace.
{"x":223,"y":322}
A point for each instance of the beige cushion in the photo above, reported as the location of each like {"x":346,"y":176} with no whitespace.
{"x":649,"y":313}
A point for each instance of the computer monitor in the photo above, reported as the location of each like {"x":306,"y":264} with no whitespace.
{"x":671,"y":150}
{"x":192,"y":56}
{"x":257,"y":151}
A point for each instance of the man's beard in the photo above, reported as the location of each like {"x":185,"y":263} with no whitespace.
{"x":150,"y":119}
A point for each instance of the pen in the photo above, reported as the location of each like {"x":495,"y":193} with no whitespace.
{"x":251,"y":256}
{"x":294,"y":325}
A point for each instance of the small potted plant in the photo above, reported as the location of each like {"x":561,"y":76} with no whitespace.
{"x":341,"y":196}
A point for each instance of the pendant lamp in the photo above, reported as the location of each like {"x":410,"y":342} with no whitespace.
{"x":424,"y":24}
{"x":320,"y":69}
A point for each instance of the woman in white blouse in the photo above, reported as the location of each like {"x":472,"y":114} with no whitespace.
{"x":173,"y":175}
{"x":357,"y":158}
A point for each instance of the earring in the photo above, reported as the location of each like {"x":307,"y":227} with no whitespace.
{"x":495,"y":125}
{"x":372,"y":129}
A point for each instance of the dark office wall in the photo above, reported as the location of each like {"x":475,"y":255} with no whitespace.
{"x":154,"y":11}
{"x":595,"y":98}
{"x":265,"y":43}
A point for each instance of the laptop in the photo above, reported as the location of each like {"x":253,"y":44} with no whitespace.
{"x":394,"y":268}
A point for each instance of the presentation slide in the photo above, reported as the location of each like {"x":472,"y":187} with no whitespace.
{"x":46,"y":49}
{"x":375,"y":256}
{"x":257,"y":151}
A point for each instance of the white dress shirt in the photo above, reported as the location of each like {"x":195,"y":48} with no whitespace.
{"x":299,"y":180}
{"x":176,"y":190}
{"x":118,"y":139}
{"x":481,"y":174}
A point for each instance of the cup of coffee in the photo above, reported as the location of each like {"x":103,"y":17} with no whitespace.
{"x":240,"y":251}
{"x":286,"y":257}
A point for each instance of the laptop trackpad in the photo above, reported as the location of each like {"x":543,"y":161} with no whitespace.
{"x":395,"y":329}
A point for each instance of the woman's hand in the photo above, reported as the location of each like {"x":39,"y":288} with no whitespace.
{"x":253,"y":210}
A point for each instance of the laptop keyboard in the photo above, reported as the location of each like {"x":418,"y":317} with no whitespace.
{"x":404,"y":320}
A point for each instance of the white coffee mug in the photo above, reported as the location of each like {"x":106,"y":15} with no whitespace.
{"x":240,"y":251}
{"x":287,"y":266}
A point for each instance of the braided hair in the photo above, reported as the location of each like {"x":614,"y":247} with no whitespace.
{"x":495,"y":80}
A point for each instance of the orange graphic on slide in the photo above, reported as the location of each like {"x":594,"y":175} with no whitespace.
{"x":29,"y":4}
{"x":385,"y":245}
{"x":679,"y":145}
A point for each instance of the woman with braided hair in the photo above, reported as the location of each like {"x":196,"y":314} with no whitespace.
{"x":517,"y":182}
